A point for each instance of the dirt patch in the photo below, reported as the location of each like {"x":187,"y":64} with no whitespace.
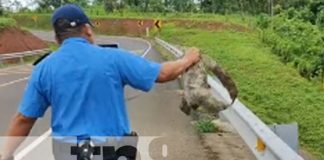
{"x":226,"y":146}
{"x":16,"y":40}
{"x":136,"y":27}
{"x":212,"y":26}
{"x":133,"y":27}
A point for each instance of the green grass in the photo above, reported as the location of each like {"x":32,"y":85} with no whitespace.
{"x":34,"y":21}
{"x":272,"y":90}
{"x":7,"y":22}
{"x":32,"y":59}
{"x":205,"y":126}
{"x":52,"y":46}
{"x":98,"y":12}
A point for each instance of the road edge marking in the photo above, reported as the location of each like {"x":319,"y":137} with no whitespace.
{"x":148,"y":49}
{"x":13,"y":82}
{"x":33,"y":145}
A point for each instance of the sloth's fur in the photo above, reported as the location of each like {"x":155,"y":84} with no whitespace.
{"x":197,"y":92}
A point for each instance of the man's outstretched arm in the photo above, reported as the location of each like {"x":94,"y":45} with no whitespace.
{"x":19,"y":128}
{"x":171,"y":70}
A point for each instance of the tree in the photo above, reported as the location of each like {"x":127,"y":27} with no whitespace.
{"x":1,"y":8}
{"x":82,"y":3}
{"x":48,"y":4}
{"x":110,"y":5}
{"x":183,"y":5}
{"x":218,"y":6}
{"x":98,"y":2}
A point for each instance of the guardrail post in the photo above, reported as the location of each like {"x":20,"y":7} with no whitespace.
{"x":147,"y":32}
{"x":1,"y":63}
{"x":21,"y":58}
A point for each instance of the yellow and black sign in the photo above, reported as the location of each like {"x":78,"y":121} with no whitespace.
{"x":97,"y":23}
{"x":260,"y":146}
{"x":140,"y":23}
{"x":35,"y":18}
{"x":158,"y":24}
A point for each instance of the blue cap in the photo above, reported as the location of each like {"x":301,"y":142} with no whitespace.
{"x":72,"y":13}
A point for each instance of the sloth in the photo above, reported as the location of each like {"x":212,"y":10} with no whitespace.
{"x":197,"y":92}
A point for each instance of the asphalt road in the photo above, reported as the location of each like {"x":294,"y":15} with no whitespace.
{"x":152,"y":114}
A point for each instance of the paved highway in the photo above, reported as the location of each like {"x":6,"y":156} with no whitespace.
{"x":152,"y":114}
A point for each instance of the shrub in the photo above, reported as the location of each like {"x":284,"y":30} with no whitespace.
{"x":296,"y":41}
{"x":263,"y":21}
{"x":7,"y":22}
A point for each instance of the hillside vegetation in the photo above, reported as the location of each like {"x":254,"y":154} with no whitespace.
{"x":43,"y":20}
{"x":274,"y":91}
{"x":296,"y":36}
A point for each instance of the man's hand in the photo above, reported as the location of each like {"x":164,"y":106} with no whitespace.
{"x":171,"y":70}
{"x":18,"y":130}
{"x":6,"y":158}
{"x":192,"y":55}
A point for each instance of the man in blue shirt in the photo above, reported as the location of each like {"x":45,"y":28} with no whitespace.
{"x":84,"y":83}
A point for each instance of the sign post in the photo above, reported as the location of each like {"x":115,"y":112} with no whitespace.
{"x":147,"y":31}
{"x":35,"y":19}
{"x":140,"y":23}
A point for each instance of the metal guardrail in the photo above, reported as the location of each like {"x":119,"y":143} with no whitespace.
{"x":21,"y":55}
{"x":264,"y":143}
{"x":175,"y":51}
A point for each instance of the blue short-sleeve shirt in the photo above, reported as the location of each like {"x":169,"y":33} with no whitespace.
{"x":84,"y":85}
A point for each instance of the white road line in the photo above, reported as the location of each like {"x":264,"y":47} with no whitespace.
{"x":33,"y":145}
{"x":148,"y":49}
{"x":139,"y":51}
{"x":20,"y":69}
{"x":14,"y":67}
{"x":14,"y":72}
{"x":13,"y":82}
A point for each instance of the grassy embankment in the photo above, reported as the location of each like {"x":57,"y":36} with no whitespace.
{"x":272,"y":90}
{"x":6,"y":22}
{"x":43,"y":20}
